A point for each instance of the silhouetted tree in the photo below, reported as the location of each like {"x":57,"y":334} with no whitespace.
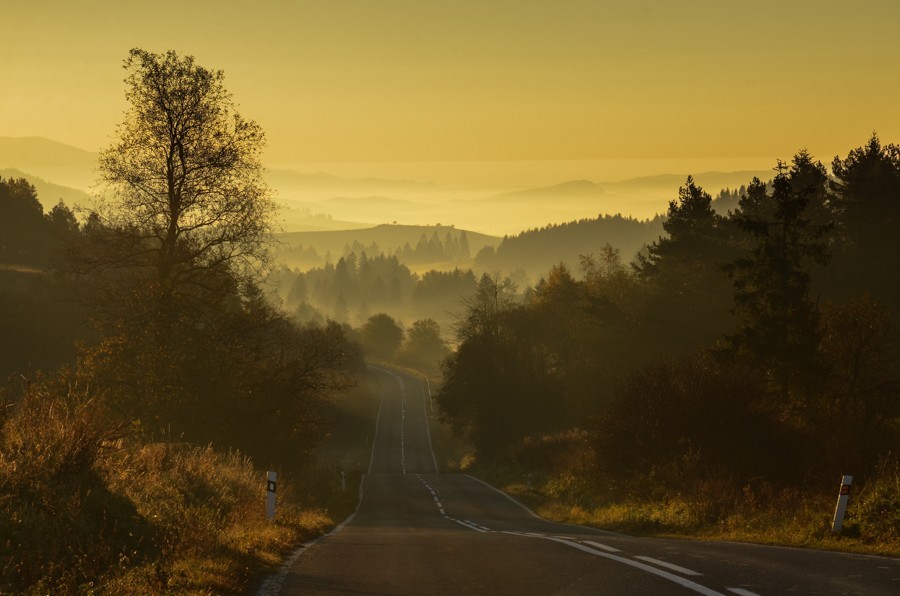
{"x":689,"y":294}
{"x":498,"y":386}
{"x":867,"y":185}
{"x":778,"y":320}
{"x":424,"y":347}
{"x":187,"y":193}
{"x":21,"y":223}
{"x":381,"y":336}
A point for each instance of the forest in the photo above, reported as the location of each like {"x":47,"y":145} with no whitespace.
{"x":366,"y":279}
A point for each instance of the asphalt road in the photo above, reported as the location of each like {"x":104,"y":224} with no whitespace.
{"x":420,"y":532}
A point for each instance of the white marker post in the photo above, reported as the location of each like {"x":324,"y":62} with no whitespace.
{"x":271,"y":486}
{"x":841,"y":508}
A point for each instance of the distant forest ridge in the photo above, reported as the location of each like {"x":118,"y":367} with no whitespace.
{"x":322,"y":201}
{"x":533,"y":251}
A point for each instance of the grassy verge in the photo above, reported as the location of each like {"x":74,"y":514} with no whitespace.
{"x":553,"y":477}
{"x":786,"y":517}
{"x":87,"y":508}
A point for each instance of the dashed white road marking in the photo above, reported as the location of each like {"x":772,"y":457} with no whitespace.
{"x":700,"y":589}
{"x":479,"y":526}
{"x":608,"y":549}
{"x":667,"y":565}
{"x":741,"y":592}
{"x":469,"y":524}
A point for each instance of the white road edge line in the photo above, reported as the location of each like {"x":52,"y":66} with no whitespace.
{"x":532,"y":513}
{"x":377,"y":418}
{"x":273,"y":584}
{"x":428,"y":427}
{"x":498,"y":491}
{"x":741,"y":592}
{"x":671,"y":566}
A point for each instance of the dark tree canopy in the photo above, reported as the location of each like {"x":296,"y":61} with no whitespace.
{"x":778,"y":318}
{"x":381,"y":336}
{"x":187,"y":193}
{"x":867,"y":185}
{"x":27,"y":235}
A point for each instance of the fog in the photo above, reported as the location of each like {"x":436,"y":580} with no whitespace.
{"x":498,"y":198}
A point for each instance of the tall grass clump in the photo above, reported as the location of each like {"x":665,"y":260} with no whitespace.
{"x":62,"y":528}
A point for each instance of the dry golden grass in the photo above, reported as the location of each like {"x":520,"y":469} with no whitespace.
{"x":84,"y":509}
{"x":760,"y":514}
{"x":565,"y":488}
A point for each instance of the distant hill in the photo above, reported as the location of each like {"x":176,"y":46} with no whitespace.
{"x":48,"y":193}
{"x":374,"y":209}
{"x":575,"y":189}
{"x":388,"y":237}
{"x":536,"y":251}
{"x":50,"y":160}
{"x":711,"y":182}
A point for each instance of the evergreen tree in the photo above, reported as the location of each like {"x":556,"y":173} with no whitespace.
{"x":778,"y":320}
{"x":465,"y":252}
{"x":688,"y":292}
{"x":867,"y":185}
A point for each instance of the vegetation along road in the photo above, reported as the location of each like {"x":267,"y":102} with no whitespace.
{"x":417,"y":531}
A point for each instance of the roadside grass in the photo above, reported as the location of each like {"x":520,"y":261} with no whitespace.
{"x":791,"y":518}
{"x":554,"y":477}
{"x":85,"y":507}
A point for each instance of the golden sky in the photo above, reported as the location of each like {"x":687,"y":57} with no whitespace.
{"x":461,"y":80}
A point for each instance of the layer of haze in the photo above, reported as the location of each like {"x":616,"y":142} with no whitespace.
{"x":489,"y":94}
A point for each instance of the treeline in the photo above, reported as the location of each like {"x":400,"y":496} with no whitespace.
{"x":754,"y":345}
{"x":39,"y":322}
{"x":453,"y":248}
{"x":28,"y":236}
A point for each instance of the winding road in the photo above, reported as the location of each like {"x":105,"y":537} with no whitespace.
{"x":420,"y":532}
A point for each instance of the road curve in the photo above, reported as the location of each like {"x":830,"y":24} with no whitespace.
{"x":419,"y":532}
